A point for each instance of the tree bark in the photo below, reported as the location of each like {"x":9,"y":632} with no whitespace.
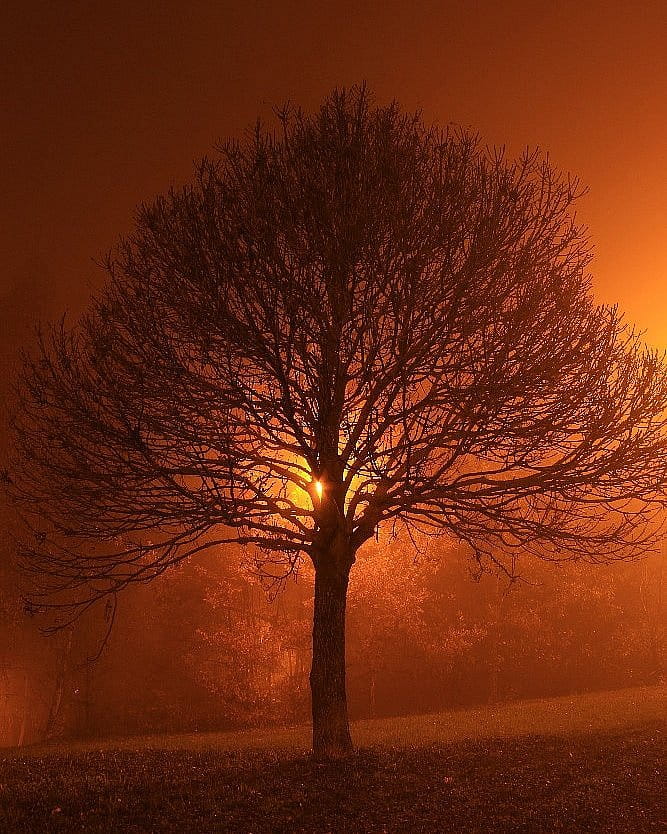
{"x":331,"y":729}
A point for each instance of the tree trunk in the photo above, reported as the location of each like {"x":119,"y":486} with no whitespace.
{"x":62,"y":673}
{"x":331,"y":729}
{"x":26,"y":709}
{"x":373,"y":705}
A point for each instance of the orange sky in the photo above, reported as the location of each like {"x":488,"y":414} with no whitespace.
{"x":104,"y":105}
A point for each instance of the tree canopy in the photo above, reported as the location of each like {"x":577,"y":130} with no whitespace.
{"x":352,"y":320}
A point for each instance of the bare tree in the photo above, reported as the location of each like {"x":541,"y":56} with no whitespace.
{"x":355,"y":320}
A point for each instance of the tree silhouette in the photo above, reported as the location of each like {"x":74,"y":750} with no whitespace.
{"x":355,"y":320}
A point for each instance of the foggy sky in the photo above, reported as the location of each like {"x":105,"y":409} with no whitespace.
{"x":105,"y":105}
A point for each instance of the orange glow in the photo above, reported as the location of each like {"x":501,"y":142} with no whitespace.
{"x":319,"y":489}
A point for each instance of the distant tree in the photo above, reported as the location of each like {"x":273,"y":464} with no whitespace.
{"x":246,"y":654}
{"x":385,"y":609}
{"x":357,"y":320}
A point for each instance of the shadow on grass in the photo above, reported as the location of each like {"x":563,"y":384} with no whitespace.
{"x":599,"y":782}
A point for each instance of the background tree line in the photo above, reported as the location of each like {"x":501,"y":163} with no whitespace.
{"x":240,"y":657}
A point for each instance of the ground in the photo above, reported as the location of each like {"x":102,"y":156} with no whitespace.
{"x":590,"y":763}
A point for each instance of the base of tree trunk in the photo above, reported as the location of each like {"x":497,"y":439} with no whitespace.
{"x":331,"y":734}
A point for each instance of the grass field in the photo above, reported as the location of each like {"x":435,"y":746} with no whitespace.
{"x":588,"y":763}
